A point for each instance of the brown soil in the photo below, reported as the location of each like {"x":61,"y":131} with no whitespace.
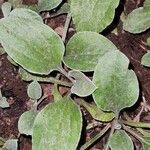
{"x":133,"y":46}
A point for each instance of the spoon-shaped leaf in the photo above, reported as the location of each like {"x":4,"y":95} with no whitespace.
{"x":6,"y":8}
{"x":146,"y":60}
{"x":34,"y":90}
{"x":4,"y":103}
{"x":11,"y":144}
{"x":93,"y":15}
{"x":26,"y":14}
{"x":83,"y":86}
{"x":44,"y":5}
{"x":117,"y":86}
{"x":25,"y":123}
{"x":121,"y":141}
{"x":57,"y":126}
{"x":137,"y":21}
{"x":30,"y":43}
{"x":84,"y":49}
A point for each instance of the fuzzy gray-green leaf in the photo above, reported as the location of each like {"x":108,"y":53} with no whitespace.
{"x":57,"y":127}
{"x":146,"y":143}
{"x":93,"y":15}
{"x":34,"y":90}
{"x":83,"y":86}
{"x":26,"y":121}
{"x":31,"y":44}
{"x":117,"y":86}
{"x":4,"y":103}
{"x":137,"y":21}
{"x":85,"y":48}
{"x":45,"y":5}
{"x":11,"y":144}
{"x":146,"y":60}
{"x":6,"y":8}
{"x":26,"y":14}
{"x":121,"y":141}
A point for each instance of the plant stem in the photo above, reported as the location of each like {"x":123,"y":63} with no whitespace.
{"x":67,"y":23}
{"x":89,"y":143}
{"x":113,"y":127}
{"x":137,"y":136}
{"x":135,"y":124}
{"x":56,"y":81}
{"x":65,"y":73}
{"x":41,"y":99}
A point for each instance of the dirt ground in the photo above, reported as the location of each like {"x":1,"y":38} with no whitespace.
{"x":133,"y":46}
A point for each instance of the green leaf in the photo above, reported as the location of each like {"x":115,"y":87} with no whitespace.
{"x":93,"y":15}
{"x":85,"y":48}
{"x":146,"y":143}
{"x":137,"y":21}
{"x":31,"y":44}
{"x":46,"y":5}
{"x":4,"y":103}
{"x":146,"y":60}
{"x":148,"y":41}
{"x":15,"y":3}
{"x":117,"y":86}
{"x":63,"y":10}
{"x":83,"y":86}
{"x":24,"y":13}
{"x":6,"y":9}
{"x":25,"y":123}
{"x":146,"y":4}
{"x":34,"y":90}
{"x":121,"y":141}
{"x":96,"y":112}
{"x":57,"y":127}
{"x":57,"y":96}
{"x":11,"y":144}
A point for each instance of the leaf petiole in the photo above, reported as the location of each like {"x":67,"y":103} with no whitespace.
{"x":93,"y":140}
{"x":135,"y":124}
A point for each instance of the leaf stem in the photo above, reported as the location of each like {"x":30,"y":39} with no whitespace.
{"x":65,"y":73}
{"x":93,"y":140}
{"x":133,"y":133}
{"x":113,"y":127}
{"x":135,"y":124}
{"x":67,"y":23}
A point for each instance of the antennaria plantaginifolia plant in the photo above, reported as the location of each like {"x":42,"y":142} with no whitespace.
{"x":38,"y":50}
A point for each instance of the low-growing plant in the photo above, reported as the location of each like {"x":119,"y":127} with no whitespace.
{"x":38,"y":50}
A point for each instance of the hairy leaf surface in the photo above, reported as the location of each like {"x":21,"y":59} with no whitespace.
{"x":83,"y":86}
{"x":121,"y":141}
{"x":85,"y":48}
{"x":44,"y":5}
{"x":117,"y":86}
{"x":30,"y":43}
{"x":93,"y":15}
{"x":146,"y":60}
{"x":57,"y":126}
{"x":25,"y":123}
{"x":137,"y":21}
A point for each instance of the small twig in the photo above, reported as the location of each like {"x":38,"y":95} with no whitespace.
{"x":67,"y":23}
{"x":93,"y":140}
